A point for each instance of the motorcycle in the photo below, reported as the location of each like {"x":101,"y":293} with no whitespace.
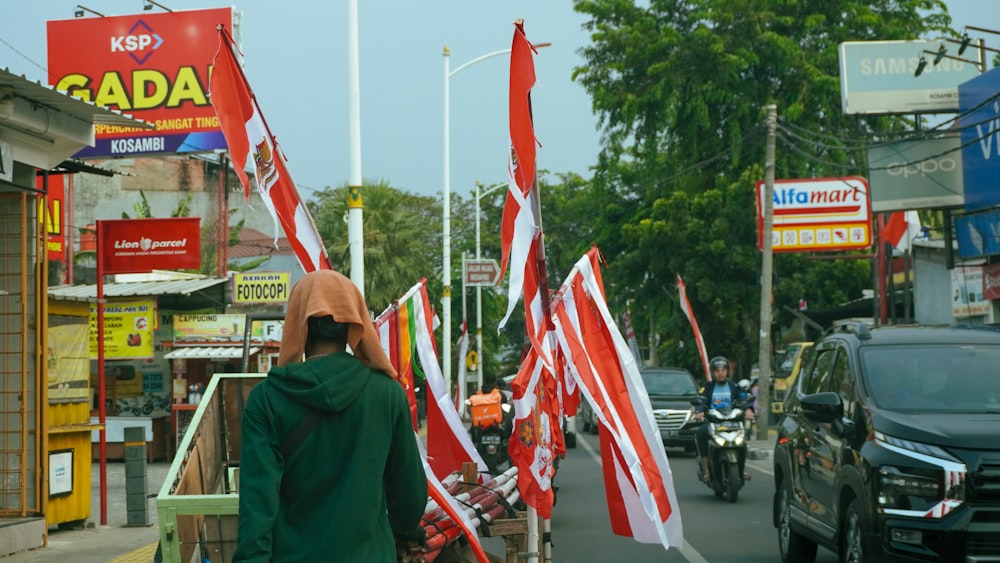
{"x":727,"y":449}
{"x":491,"y":435}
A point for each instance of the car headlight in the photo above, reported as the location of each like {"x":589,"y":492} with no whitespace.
{"x":909,"y":488}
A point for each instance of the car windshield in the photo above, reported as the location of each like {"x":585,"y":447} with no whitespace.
{"x":668,"y":383}
{"x":785,"y":369}
{"x":934,"y":377}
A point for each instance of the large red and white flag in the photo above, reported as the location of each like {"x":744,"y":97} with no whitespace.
{"x":518,"y":227}
{"x":448,"y":442}
{"x":638,"y":481}
{"x":686,"y":307}
{"x":250,"y":140}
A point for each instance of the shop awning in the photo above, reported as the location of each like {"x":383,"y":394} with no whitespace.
{"x":208,"y":352}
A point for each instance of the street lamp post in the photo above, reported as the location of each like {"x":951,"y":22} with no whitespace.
{"x":479,"y":288}
{"x":446,"y":206}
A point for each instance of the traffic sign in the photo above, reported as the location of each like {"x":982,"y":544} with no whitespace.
{"x":481,"y":272}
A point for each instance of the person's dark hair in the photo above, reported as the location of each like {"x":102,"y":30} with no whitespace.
{"x":325,"y":329}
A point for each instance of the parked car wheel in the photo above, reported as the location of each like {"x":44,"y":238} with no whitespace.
{"x":855,"y":548}
{"x":791,"y":546}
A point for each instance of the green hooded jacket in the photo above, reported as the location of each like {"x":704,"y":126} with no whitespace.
{"x":354,"y":484}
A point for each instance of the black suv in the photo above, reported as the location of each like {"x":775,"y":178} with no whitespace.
{"x":890,"y":447}
{"x":670,"y":390}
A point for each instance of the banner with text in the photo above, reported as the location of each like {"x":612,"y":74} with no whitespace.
{"x":128,"y":330}
{"x":126,"y":246}
{"x":153,"y":66}
{"x":261,"y":287}
{"x":214,"y":329}
{"x":817,"y":215}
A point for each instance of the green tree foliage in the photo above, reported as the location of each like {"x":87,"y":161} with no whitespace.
{"x":680,"y":89}
{"x":400,"y":232}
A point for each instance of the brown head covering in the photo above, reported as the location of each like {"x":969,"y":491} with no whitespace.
{"x":326,"y":292}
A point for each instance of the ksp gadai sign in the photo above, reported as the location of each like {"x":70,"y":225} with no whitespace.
{"x":261,"y":287}
{"x":817,"y":215}
{"x":143,"y":245}
{"x":154,"y":66}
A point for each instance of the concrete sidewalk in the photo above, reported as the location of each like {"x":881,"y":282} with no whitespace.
{"x":115,"y":543}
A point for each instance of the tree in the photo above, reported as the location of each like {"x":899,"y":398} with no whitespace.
{"x":680,"y":88}
{"x":399,"y":231}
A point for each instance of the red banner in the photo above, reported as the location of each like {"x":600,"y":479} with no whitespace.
{"x":154,"y":66}
{"x":126,"y":246}
{"x":52,"y":215}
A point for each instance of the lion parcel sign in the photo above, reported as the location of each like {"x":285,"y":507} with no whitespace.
{"x":143,"y":245}
{"x":818,"y":215}
{"x":152,"y":66}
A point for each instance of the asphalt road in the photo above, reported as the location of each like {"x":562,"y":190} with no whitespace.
{"x":714,"y":530}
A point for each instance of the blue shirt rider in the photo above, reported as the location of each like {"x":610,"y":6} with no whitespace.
{"x":720,"y":393}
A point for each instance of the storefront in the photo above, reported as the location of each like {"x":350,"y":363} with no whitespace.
{"x":39,"y":130}
{"x":138,"y":326}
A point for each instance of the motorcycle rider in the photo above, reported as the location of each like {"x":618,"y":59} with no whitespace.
{"x":720,"y":393}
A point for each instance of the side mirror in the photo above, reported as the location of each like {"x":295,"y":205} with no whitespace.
{"x":822,"y":407}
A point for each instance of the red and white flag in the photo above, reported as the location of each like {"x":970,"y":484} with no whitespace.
{"x":250,"y":140}
{"x":686,"y":307}
{"x":448,"y":442}
{"x":902,"y":229}
{"x":638,"y":482}
{"x":533,"y":446}
{"x":518,"y":227}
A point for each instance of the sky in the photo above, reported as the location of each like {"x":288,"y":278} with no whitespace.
{"x":296,"y":63}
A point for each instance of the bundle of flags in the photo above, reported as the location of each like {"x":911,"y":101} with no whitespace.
{"x":574,"y":347}
{"x":637,"y":478}
{"x":406,"y":332}
{"x":250,"y":141}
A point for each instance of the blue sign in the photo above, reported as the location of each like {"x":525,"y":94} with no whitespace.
{"x":979,"y":234}
{"x":979,"y":103}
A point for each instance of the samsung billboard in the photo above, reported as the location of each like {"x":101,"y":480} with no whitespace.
{"x":878,"y":77}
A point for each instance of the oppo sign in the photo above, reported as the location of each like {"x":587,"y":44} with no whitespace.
{"x":916,"y":174}
{"x":928,"y":167}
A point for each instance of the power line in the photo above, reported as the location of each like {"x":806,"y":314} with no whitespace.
{"x":26,"y":57}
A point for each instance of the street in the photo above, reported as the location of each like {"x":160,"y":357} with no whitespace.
{"x":714,"y":530}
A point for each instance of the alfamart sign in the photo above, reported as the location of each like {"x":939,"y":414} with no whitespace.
{"x":144,"y":245}
{"x":817,"y":215}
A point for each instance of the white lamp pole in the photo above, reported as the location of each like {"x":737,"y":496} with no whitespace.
{"x":446,"y":207}
{"x":479,"y":288}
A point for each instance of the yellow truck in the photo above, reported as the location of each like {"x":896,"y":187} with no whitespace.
{"x":786,"y":374}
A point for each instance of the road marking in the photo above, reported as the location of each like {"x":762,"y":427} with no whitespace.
{"x":688,"y":552}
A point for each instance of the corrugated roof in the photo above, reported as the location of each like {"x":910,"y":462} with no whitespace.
{"x":254,"y":244}
{"x":70,"y":105}
{"x":209,"y":352}
{"x":134,"y":289}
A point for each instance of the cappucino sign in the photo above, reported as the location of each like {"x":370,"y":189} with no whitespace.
{"x":128,"y":246}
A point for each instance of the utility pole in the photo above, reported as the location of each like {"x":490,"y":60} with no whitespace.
{"x":764,"y":355}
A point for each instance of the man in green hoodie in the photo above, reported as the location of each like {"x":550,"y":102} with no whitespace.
{"x":329,"y":465}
